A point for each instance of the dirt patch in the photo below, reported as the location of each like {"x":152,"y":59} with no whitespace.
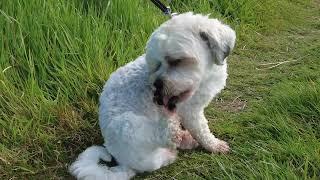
{"x":235,"y":105}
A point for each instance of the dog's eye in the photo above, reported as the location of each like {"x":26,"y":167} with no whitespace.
{"x":174,"y":62}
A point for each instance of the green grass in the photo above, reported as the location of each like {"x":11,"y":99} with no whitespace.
{"x":55,"y":56}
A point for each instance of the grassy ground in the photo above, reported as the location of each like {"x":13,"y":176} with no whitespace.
{"x":55,"y":55}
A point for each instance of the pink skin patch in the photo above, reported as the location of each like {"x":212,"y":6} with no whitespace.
{"x":184,"y":140}
{"x":166,"y":100}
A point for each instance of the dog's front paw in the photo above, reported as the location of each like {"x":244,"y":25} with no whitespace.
{"x":219,"y":147}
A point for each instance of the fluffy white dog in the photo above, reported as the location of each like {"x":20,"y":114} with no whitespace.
{"x":143,"y":103}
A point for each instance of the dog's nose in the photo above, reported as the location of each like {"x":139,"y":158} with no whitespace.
{"x":158,"y":84}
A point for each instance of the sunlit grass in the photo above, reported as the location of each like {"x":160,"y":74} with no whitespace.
{"x":55,"y":56}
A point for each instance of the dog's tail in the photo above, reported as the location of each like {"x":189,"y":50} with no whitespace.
{"x":87,"y":166}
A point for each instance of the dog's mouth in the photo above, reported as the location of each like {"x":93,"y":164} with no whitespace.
{"x":170,"y":102}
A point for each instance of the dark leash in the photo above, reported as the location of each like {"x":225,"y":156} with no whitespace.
{"x":165,"y":9}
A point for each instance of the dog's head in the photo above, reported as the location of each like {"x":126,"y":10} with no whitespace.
{"x":182,"y":52}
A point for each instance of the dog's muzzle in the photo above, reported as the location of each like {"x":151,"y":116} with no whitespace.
{"x":168,"y":101}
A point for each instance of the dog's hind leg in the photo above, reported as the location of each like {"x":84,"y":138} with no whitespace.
{"x":158,"y":158}
{"x":138,"y":143}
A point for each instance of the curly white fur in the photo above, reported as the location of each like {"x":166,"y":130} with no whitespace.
{"x":188,"y":54}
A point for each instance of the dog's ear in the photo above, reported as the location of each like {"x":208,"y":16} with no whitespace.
{"x":220,"y":42}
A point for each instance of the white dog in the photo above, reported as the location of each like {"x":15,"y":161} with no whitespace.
{"x":144,"y":102}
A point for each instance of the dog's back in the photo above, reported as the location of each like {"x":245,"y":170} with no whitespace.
{"x":125,"y":90}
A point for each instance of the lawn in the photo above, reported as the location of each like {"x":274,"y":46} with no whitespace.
{"x":55,"y":56}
